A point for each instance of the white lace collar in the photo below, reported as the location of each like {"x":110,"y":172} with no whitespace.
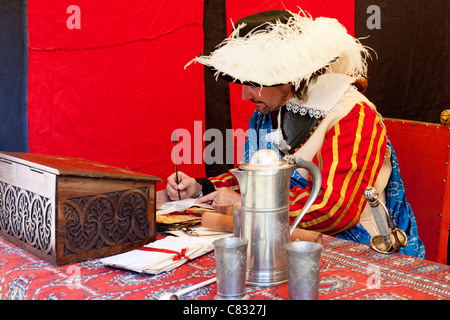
{"x":323,"y":95}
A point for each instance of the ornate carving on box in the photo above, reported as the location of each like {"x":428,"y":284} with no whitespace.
{"x":68,"y":210}
{"x":26,"y":216}
{"x":106,"y":220}
{"x":91,"y":222}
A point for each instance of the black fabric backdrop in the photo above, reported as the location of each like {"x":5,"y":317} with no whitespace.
{"x":409,"y":79}
{"x":217,"y":93}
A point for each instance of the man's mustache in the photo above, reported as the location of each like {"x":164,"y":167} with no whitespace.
{"x":256,"y":101}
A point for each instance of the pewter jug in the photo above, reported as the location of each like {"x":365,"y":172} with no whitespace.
{"x":264,"y":185}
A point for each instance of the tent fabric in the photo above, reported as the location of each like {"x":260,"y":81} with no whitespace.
{"x":105,"y":80}
{"x":114,"y":90}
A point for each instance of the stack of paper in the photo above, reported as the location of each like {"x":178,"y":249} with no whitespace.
{"x":154,"y":262}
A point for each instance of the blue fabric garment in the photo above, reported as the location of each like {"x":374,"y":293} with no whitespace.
{"x":259,"y":126}
{"x":396,"y":202}
{"x":13,"y":76}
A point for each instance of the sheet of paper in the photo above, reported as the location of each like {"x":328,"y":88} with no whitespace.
{"x":179,"y":205}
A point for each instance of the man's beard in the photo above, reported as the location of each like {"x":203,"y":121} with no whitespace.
{"x":264,"y":109}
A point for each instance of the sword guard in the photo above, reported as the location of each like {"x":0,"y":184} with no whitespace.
{"x":396,"y":238}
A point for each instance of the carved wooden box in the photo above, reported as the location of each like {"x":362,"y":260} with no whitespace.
{"x":67,"y":210}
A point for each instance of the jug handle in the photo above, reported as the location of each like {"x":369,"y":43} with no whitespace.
{"x":316,"y":184}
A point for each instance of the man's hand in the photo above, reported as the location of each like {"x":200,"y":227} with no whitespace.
{"x":189,"y":187}
{"x":222,"y":196}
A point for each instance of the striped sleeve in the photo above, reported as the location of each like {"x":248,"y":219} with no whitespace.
{"x":350,"y":160}
{"x":225,"y":180}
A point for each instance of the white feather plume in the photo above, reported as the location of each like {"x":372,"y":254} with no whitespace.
{"x":288,"y":52}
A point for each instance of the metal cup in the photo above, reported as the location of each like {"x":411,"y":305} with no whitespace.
{"x":231,"y":267}
{"x":303,"y":263}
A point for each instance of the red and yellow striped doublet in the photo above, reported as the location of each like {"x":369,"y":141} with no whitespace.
{"x":350,"y":159}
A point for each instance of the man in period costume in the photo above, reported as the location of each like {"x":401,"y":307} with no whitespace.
{"x":304,"y":76}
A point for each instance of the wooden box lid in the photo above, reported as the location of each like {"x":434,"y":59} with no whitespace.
{"x":70,"y":166}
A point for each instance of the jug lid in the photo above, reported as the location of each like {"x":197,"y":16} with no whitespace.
{"x":265,"y":159}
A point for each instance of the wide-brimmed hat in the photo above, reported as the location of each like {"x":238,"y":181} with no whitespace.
{"x":278,"y":47}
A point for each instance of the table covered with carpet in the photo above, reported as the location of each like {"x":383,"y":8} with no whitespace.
{"x":349,"y":271}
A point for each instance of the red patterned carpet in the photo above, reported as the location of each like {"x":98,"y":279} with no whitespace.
{"x":349,"y":271}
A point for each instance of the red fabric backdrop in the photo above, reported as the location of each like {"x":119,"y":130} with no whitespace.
{"x":114,"y":90}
